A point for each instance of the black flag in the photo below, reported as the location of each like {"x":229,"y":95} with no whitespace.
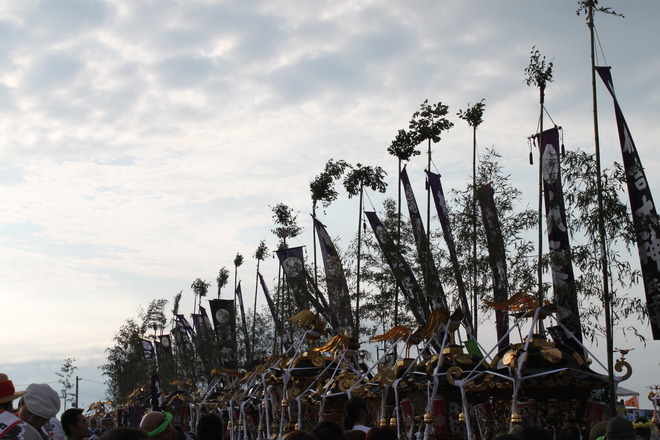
{"x":563,"y":279}
{"x":644,"y":214}
{"x":400,"y":268}
{"x":496,"y":258}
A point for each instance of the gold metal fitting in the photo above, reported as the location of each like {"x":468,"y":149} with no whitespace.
{"x":393,"y":422}
{"x":285,"y":403}
{"x":461,"y":417}
{"x":516,"y":417}
{"x":383,"y":422}
{"x":428,"y":418}
{"x":453,"y":349}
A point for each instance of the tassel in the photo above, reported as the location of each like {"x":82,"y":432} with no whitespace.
{"x":563,"y":151}
{"x":364,"y":226}
{"x":531,"y":158}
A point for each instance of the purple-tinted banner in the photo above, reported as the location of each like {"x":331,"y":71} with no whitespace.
{"x":269,"y":300}
{"x":239,"y":295}
{"x":400,"y":268}
{"x":434,"y":290}
{"x":644,"y":214}
{"x":147,"y":349}
{"x":292,"y":262}
{"x":496,"y":258}
{"x":338,"y":296}
{"x":183,"y":323}
{"x":441,"y":207}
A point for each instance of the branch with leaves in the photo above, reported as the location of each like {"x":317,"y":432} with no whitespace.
{"x":286,"y":222}
{"x":323,"y":186}
{"x":365,"y":176}
{"x":403,"y":146}
{"x":429,"y":122}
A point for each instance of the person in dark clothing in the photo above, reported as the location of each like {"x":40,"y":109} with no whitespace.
{"x":327,"y":430}
{"x":210,"y":427}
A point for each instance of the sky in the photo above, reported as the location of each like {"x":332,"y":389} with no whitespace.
{"x":142,"y":143}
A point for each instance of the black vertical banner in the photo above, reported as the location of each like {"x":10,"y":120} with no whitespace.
{"x":224,"y":322}
{"x":563,"y":278}
{"x":441,"y":208}
{"x":239,"y":295}
{"x":496,"y":258}
{"x":293,"y":265}
{"x":425,"y":257}
{"x":400,"y":268}
{"x":644,"y":214}
{"x":338,"y":297}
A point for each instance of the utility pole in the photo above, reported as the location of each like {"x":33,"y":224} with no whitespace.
{"x":77,"y":380}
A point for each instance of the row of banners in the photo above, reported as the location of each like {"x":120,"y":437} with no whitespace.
{"x":335,"y":306}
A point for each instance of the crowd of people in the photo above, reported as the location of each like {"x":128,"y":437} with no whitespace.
{"x":34,"y":418}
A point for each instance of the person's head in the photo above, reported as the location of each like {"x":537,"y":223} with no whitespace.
{"x":619,"y":428}
{"x":39,"y":404}
{"x":356,"y":412}
{"x":125,"y":433}
{"x":529,"y":433}
{"x":643,"y":427}
{"x":328,"y":430}
{"x":159,"y":426}
{"x":355,"y":434}
{"x":298,"y":434}
{"x":598,"y":430}
{"x":209,"y":427}
{"x":381,"y":433}
{"x":569,"y":433}
{"x":74,"y":423}
{"x":8,"y":393}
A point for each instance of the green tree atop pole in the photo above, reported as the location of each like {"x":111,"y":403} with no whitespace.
{"x":539,"y":73}
{"x":259,"y":255}
{"x":473,"y":115}
{"x":222,"y":279}
{"x":427,"y":124}
{"x":323,"y":190}
{"x":354,"y":182}
{"x":286,"y":227}
{"x":403,"y":147}
{"x":65,"y":375}
{"x":200,"y":288}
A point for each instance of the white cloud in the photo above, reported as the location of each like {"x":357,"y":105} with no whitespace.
{"x":142,"y":142}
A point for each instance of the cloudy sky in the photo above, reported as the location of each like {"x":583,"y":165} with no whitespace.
{"x":143,"y":141}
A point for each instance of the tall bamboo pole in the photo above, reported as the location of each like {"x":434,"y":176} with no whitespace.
{"x":256,"y":291}
{"x":428,"y":232}
{"x":316,"y":276}
{"x":357,"y":287}
{"x":607,"y":303}
{"x":475,"y":304}
{"x":398,"y":244}
{"x":540,"y":211}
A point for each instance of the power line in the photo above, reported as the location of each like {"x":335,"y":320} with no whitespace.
{"x":28,"y":384}
{"x":91,"y":380}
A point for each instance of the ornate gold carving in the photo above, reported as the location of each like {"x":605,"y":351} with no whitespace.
{"x":454,"y":373}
